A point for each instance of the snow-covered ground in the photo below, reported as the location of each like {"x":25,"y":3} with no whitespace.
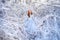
{"x":43,"y":24}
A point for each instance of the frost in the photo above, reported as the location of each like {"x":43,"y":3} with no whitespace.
{"x":43,"y":24}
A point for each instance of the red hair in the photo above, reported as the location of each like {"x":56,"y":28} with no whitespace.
{"x":29,"y":13}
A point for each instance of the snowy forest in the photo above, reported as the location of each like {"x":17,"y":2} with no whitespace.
{"x":29,"y":19}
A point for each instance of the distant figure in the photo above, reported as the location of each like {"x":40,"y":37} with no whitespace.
{"x":29,"y":13}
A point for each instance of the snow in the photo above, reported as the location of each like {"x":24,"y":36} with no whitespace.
{"x":43,"y":24}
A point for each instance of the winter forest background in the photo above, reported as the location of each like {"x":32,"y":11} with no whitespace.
{"x":43,"y":24}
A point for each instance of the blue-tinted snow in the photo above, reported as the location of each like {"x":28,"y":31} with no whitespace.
{"x":43,"y":24}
